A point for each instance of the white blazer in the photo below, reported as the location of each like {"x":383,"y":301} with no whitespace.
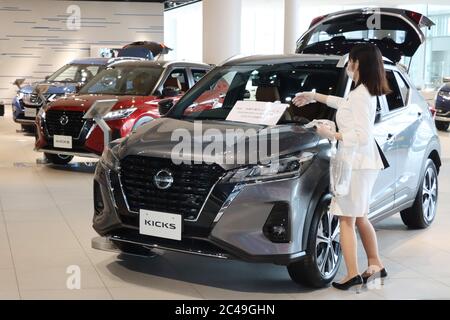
{"x":355,"y":118}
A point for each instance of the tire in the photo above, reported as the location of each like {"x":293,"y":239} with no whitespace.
{"x":322,"y":243}
{"x":442,"y":126}
{"x":134,"y":249}
{"x":421,"y":215}
{"x":28,"y":128}
{"x":58,"y":158}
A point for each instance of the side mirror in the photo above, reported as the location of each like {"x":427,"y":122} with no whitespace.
{"x":164,"y":106}
{"x":247,"y":94}
{"x":170,"y":92}
{"x":18,"y":83}
{"x":2,"y":109}
{"x":46,"y":78}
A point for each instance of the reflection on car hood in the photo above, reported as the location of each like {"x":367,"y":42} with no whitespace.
{"x":156,"y":138}
{"x":85,"y":101}
{"x":53,"y":87}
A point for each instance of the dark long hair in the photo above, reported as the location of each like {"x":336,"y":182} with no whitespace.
{"x":371,"y":68}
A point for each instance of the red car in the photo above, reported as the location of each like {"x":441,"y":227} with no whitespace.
{"x":138,"y":85}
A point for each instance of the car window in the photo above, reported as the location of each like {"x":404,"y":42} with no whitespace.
{"x":197,"y":74}
{"x":219,"y":91}
{"x":178,"y":79}
{"x":395,"y":98}
{"x":66,"y":73}
{"x":124,"y":80}
{"x":403,"y":86}
{"x":88,"y":72}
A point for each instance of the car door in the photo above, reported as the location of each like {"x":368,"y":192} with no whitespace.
{"x":407,"y":116}
{"x":395,"y":134}
{"x":383,"y":194}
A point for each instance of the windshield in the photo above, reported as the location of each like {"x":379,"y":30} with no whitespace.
{"x":75,"y":73}
{"x":216,"y":94}
{"x":124,"y":80}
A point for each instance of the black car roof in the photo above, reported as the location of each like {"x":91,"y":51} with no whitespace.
{"x":282,"y":58}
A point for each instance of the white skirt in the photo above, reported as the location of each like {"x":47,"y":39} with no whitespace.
{"x":356,"y":202}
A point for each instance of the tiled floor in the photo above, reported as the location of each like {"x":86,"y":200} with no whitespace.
{"x":45,"y":227}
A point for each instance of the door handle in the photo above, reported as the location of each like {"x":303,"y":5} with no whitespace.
{"x":419,"y":114}
{"x":389,"y":136}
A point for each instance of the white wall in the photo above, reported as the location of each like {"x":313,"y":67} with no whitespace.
{"x":262,"y":24}
{"x":183,"y":32}
{"x":35,"y":39}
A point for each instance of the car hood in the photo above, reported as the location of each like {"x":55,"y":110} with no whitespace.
{"x":84,"y":102}
{"x":159,"y":138}
{"x":58,"y":88}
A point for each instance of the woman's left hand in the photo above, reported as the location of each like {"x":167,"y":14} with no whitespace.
{"x":325,"y":132}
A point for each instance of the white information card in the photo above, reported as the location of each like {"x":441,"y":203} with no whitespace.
{"x":257,"y":112}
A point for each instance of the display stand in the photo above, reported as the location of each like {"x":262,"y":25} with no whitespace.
{"x":97,"y":111}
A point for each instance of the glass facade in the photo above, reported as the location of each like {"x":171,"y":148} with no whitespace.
{"x":262,"y":32}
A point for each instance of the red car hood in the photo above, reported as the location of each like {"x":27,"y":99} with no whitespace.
{"x":84,"y":102}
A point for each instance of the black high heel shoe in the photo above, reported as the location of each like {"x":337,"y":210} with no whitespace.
{"x":368,"y":276}
{"x":355,"y":281}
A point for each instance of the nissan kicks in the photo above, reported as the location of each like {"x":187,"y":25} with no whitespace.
{"x":275,"y":210}
{"x":137,"y":85}
{"x":27,"y":102}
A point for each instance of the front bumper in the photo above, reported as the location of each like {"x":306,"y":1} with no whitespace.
{"x":68,"y":153}
{"x":442,"y":119}
{"x":87,"y":142}
{"x":18,"y":112}
{"x":238,"y":234}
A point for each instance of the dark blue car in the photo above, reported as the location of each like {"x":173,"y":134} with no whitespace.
{"x":27,"y":103}
{"x":443,"y":108}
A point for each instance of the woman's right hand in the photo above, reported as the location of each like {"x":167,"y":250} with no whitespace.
{"x":303,"y":98}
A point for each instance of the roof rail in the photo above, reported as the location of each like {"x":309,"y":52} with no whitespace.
{"x":122,"y":59}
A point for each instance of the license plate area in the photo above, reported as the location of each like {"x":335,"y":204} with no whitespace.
{"x":160,"y":224}
{"x":64,"y":142}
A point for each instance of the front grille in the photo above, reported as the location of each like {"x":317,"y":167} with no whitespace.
{"x":191,"y":185}
{"x":54,"y":123}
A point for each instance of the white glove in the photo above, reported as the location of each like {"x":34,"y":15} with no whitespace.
{"x":325,"y":132}
{"x":303,"y":98}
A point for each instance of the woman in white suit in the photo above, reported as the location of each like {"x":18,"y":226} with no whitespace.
{"x":355,"y":119}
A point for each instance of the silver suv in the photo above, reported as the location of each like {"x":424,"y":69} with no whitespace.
{"x":144,"y":200}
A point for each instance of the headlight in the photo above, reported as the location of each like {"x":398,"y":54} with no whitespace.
{"x":119,"y":114}
{"x":109,"y":158}
{"x":445,"y":95}
{"x":19,"y":95}
{"x":288,"y":167}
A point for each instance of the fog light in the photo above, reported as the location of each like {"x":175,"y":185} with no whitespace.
{"x":277,"y":228}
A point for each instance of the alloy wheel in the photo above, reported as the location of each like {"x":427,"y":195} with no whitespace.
{"x":429,"y":195}
{"x":328,"y":248}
